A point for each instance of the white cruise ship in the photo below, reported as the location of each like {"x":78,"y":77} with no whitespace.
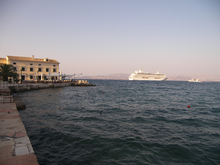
{"x":194,"y":80}
{"x":141,"y":75}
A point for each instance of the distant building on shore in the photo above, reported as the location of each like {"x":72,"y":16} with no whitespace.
{"x":31,"y":68}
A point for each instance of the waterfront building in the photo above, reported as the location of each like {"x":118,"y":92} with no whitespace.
{"x":31,"y":68}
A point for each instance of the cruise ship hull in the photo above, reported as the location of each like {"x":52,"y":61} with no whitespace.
{"x":148,"y":79}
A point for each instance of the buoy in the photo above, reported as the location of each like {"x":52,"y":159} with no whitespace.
{"x":188,"y":106}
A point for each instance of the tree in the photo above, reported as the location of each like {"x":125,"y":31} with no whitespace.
{"x":7,"y":70}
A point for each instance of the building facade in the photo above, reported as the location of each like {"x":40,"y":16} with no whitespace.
{"x":31,"y":68}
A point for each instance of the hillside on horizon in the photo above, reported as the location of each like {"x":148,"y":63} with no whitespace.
{"x":122,"y":76}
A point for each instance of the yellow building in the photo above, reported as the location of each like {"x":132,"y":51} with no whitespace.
{"x":30,"y":68}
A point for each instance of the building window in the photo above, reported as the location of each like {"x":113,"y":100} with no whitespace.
{"x":39,"y":69}
{"x":47,"y":69}
{"x":14,"y":63}
{"x":23,"y":77}
{"x":31,"y":69}
{"x":54,"y":65}
{"x":31,"y":64}
{"x":39,"y":64}
{"x":54,"y":70}
{"x":31,"y":77}
{"x":23,"y":68}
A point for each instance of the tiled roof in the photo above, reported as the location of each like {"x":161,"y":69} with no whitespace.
{"x":17,"y":58}
{"x":2,"y":60}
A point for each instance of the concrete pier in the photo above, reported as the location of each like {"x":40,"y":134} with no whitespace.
{"x":15,"y":146}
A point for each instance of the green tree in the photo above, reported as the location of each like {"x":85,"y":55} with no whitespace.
{"x":7,"y":70}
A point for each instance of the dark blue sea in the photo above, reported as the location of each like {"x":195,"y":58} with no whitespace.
{"x":125,"y":123}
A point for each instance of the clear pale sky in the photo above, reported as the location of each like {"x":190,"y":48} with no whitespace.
{"x":97,"y":37}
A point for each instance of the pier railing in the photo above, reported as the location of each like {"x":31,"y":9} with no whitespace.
{"x":5,"y":93}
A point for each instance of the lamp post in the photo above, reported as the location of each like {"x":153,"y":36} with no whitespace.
{"x":21,"y":75}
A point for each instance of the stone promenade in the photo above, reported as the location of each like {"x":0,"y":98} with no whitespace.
{"x":15,"y":146}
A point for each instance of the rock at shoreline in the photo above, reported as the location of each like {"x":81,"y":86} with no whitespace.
{"x":19,"y":103}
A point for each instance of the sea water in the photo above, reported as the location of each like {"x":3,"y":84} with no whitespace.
{"x":125,"y":122}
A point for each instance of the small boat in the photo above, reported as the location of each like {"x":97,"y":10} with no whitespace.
{"x":194,"y":80}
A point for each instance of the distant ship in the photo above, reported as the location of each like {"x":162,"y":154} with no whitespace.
{"x":141,"y":75}
{"x":194,"y":80}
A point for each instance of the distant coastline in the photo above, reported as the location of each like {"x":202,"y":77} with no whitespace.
{"x":121,"y":76}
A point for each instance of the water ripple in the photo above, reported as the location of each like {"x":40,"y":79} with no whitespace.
{"x":125,"y":122}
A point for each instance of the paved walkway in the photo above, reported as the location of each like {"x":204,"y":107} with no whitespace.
{"x":15,"y":146}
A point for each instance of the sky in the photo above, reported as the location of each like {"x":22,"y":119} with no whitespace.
{"x":99,"y":37}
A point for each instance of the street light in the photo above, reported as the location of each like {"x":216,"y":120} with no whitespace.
{"x":21,"y":75}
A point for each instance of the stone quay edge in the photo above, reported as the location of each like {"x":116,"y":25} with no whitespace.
{"x":15,"y":145}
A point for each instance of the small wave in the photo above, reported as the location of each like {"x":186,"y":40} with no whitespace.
{"x":131,"y":123}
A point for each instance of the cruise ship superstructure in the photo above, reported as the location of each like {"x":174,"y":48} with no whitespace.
{"x":141,"y":75}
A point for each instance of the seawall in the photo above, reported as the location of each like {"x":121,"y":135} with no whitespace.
{"x":36,"y":86}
